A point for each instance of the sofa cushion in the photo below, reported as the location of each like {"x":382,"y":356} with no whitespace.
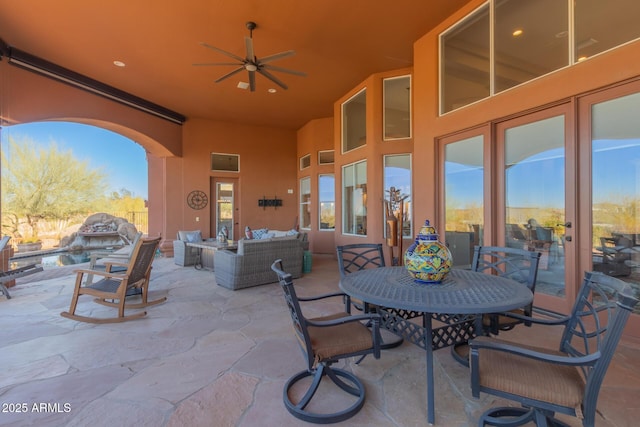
{"x":258,"y":233}
{"x":182,"y":235}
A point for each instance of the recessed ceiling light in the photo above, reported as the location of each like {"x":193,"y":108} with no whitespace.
{"x":517,"y":32}
{"x":243,"y":85}
{"x":119,"y":63}
{"x":271,"y":90}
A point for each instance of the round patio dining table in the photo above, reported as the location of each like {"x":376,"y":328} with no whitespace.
{"x":461,"y":296}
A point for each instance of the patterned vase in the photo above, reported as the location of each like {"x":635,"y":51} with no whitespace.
{"x":428,"y":260}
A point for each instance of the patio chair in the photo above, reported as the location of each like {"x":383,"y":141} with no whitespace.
{"x":324,"y":341}
{"x":518,"y":264}
{"x":113,"y":288}
{"x":565,"y":380}
{"x":360,"y":256}
{"x":122,"y":255}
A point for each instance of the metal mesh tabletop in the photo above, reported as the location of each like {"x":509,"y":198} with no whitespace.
{"x":461,"y":292}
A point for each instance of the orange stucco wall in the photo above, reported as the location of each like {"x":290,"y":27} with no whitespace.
{"x":315,"y":136}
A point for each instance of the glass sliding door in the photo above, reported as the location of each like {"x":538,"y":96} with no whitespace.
{"x":533,"y":183}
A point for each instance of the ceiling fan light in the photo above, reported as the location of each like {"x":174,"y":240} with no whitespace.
{"x":250,"y":67}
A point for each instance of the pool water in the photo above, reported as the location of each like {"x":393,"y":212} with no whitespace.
{"x":54,"y":259}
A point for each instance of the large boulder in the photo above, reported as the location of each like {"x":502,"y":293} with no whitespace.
{"x":101,"y":230}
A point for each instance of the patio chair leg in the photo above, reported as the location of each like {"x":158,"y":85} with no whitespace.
{"x":354,"y":387}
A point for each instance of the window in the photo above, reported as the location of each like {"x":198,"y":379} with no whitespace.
{"x":530,"y":39}
{"x":225,"y":162}
{"x":354,"y":199}
{"x":600,"y":25}
{"x":325,"y":157}
{"x":354,"y":122}
{"x":305,"y":161}
{"x":464,"y":197}
{"x":397,"y":180}
{"x":327,"y":191}
{"x":397,"y":107}
{"x":464,"y":61}
{"x":305,"y":203}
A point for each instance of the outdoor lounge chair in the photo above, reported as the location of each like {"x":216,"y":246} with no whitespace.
{"x":324,"y":341}
{"x":7,"y":276}
{"x":113,"y":288}
{"x":565,"y":379}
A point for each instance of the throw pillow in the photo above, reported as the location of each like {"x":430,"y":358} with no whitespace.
{"x":267,"y":236}
{"x":292,"y":232}
{"x":194,"y":236}
{"x":257,"y":234}
{"x":248,"y":233}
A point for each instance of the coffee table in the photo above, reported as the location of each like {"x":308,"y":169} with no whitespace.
{"x":206,"y":251}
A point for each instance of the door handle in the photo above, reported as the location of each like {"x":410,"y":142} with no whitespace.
{"x":566,"y":224}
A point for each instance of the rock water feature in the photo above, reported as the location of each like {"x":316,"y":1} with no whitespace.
{"x":100,"y":230}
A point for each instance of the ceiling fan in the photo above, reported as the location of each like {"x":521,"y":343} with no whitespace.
{"x":253,"y":64}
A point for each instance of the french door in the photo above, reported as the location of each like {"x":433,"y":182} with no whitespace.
{"x":535,"y":197}
{"x":564,"y":181}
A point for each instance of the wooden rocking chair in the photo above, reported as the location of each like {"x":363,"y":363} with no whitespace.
{"x":113,"y":289}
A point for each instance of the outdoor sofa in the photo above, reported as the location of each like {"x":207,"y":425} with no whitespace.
{"x":250,"y":264}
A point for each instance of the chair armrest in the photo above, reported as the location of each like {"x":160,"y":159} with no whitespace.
{"x":529,"y":352}
{"x":104,"y":274}
{"x":535,"y":320}
{"x":373,"y":317}
{"x":323,"y":296}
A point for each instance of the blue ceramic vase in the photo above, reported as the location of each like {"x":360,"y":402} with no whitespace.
{"x":428,"y":260}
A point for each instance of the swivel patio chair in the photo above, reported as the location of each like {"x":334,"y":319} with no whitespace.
{"x":518,"y":264}
{"x":324,"y":341}
{"x":360,"y":256}
{"x":113,"y":288}
{"x":565,"y":380}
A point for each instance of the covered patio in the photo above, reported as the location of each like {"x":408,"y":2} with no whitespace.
{"x":212,"y":356}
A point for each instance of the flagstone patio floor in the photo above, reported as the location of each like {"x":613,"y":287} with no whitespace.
{"x":210,"y":356}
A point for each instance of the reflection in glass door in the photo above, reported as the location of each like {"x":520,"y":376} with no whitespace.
{"x":464,"y":197}
{"x":615,"y":177}
{"x":224,"y":192}
{"x":534,"y":191}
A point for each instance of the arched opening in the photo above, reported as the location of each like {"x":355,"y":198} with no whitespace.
{"x":56,"y":174}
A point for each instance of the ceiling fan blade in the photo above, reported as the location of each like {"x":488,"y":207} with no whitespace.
{"x":248,"y":44}
{"x":229,"y":74}
{"x":272,"y":78}
{"x":284,"y":70}
{"x":207,"y":64}
{"x":252,"y":81}
{"x":236,"y":57}
{"x":277,"y":56}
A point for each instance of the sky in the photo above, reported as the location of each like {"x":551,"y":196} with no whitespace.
{"x":123,"y":161}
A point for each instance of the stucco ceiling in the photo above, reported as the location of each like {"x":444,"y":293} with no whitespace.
{"x":338,"y":44}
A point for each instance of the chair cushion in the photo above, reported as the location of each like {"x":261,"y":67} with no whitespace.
{"x":547,"y":382}
{"x":332,"y":341}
